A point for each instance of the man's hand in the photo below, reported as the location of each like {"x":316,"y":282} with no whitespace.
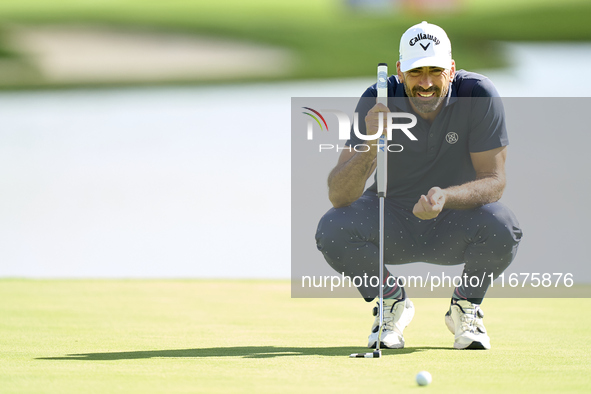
{"x":431,"y":205}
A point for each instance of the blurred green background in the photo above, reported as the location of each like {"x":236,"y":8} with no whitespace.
{"x":325,"y":38}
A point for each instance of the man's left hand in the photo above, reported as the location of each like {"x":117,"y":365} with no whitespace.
{"x":429,"y":206}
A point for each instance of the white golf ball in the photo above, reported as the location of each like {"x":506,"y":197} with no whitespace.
{"x":424,"y":378}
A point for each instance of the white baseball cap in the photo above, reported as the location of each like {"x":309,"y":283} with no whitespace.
{"x":424,"y":45}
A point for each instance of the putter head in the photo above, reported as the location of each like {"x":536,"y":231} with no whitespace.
{"x":374,"y":354}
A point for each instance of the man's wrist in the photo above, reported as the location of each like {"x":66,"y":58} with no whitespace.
{"x":446,"y":197}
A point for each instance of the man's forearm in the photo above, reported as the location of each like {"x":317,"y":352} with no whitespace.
{"x":476,"y":193}
{"x":346,"y":181}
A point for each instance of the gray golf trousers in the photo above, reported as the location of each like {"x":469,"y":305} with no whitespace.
{"x":484,"y":239}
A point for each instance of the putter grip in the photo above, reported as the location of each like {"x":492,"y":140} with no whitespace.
{"x":383,"y":83}
{"x":382,"y":165}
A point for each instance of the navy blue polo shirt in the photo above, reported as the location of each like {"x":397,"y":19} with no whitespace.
{"x":472,"y":120}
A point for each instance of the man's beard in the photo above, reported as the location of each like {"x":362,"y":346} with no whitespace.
{"x":426,"y":107}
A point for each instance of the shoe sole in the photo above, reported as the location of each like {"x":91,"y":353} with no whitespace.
{"x":473,"y":346}
{"x":383,"y":346}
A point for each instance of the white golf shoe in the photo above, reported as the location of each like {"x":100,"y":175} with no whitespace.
{"x":464,"y":320}
{"x":397,"y":315}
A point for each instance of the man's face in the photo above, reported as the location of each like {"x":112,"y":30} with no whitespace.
{"x":426,"y":86}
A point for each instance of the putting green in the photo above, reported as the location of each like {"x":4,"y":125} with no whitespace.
{"x":176,"y":336}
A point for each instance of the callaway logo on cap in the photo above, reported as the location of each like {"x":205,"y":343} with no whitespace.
{"x":424,"y":45}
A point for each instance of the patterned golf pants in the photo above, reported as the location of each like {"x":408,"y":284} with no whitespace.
{"x":484,"y":239}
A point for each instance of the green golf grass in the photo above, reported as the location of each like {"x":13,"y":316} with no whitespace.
{"x":188,"y":336}
{"x":327,"y":39}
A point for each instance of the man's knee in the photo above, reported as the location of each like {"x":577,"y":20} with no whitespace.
{"x":334,"y":225}
{"x":498,"y":223}
{"x":341,"y":228}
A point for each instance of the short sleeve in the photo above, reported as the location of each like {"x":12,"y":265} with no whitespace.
{"x":487,"y":126}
